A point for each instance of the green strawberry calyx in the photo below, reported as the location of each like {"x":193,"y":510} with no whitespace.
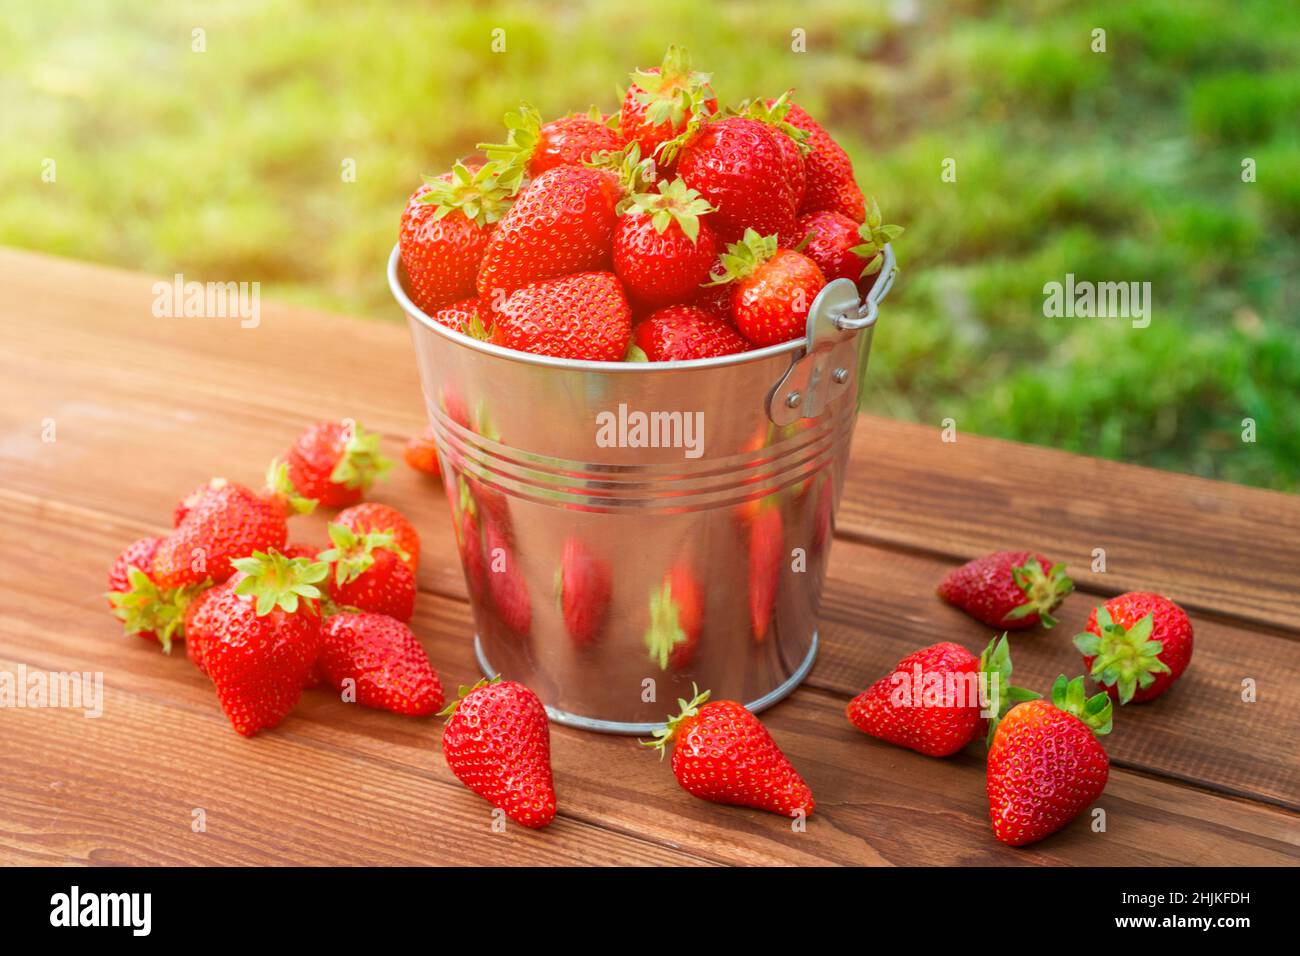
{"x":482,"y":194}
{"x":1095,"y":712}
{"x":464,"y":691}
{"x":361,"y":462}
{"x":281,"y":490}
{"x":686,"y":711}
{"x":743,"y":258}
{"x":1123,"y":658}
{"x":276,"y":581}
{"x":672,"y":202}
{"x":523,"y":133}
{"x":773,"y":115}
{"x":665,"y":631}
{"x":671,"y":94}
{"x":634,"y":174}
{"x":875,"y":234}
{"x":353,"y":554}
{"x":1044,"y":590}
{"x":148,"y":609}
{"x":995,"y":664}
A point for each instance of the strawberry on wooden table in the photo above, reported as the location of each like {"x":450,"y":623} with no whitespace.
{"x":583,"y":316}
{"x":261,"y":637}
{"x":445,"y":230}
{"x":1136,"y":645}
{"x":662,"y":100}
{"x":1045,"y":765}
{"x":676,"y":618}
{"x":663,"y":245}
{"x":373,"y":516}
{"x":332,"y":463}
{"x":722,"y":753}
{"x":934,"y":700}
{"x":568,"y":141}
{"x":154,"y":613}
{"x":369,"y":572}
{"x":383,"y":659}
{"x":498,"y":744}
{"x":772,"y":289}
{"x":1010,"y":590}
{"x":228,"y":521}
{"x":683,"y":332}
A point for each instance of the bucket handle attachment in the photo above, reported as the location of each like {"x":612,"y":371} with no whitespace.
{"x":829,"y":362}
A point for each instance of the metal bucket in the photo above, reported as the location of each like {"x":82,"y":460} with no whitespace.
{"x":694,"y":499}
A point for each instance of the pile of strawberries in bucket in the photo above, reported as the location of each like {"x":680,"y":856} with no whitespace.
{"x":673,"y":230}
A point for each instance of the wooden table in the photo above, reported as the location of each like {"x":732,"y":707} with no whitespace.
{"x":143,"y":409}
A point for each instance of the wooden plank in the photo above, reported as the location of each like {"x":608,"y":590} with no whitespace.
{"x":1208,"y":545}
{"x":877,"y":804}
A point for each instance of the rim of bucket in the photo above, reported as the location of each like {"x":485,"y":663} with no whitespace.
{"x":395,"y":285}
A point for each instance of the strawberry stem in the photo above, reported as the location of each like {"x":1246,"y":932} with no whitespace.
{"x":995,"y":662}
{"x":1095,"y":711}
{"x":1123,"y":658}
{"x":1043,"y":590}
{"x":275,"y":581}
{"x":687,"y":710}
{"x":464,"y":692}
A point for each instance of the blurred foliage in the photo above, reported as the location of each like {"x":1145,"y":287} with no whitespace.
{"x":1115,"y":166}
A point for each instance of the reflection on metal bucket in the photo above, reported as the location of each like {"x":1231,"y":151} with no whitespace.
{"x":628,"y":530}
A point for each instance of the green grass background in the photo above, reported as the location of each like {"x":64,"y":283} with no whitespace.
{"x":1116,"y":166}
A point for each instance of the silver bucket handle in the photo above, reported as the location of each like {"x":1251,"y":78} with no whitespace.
{"x":827,"y":365}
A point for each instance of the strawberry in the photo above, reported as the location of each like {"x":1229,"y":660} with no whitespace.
{"x":583,"y":316}
{"x":384,"y":660}
{"x":505,"y":580}
{"x":683,"y":332}
{"x":155,"y":613}
{"x":1008,"y":589}
{"x":676,"y":619}
{"x":663,"y":248}
{"x":261,"y":637}
{"x":766,"y":544}
{"x":790,"y":140}
{"x":829,"y":171}
{"x":843,"y":249}
{"x":467,"y":316}
{"x":772,"y":289}
{"x":568,"y":141}
{"x":370,"y":572}
{"x":373,"y":516}
{"x":935,"y":699}
{"x":446,"y":227}
{"x":561,"y":223}
{"x":722,"y":753}
{"x":662,"y":100}
{"x":229,"y":521}
{"x":199,"y":624}
{"x":421,"y":452}
{"x":737,"y":165}
{"x":583,"y":585}
{"x":1136,"y":645}
{"x":498,"y":744}
{"x":715,"y":299}
{"x":332,"y":463}
{"x":1045,"y":765}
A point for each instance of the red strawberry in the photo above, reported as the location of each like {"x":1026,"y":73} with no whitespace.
{"x":186,"y":504}
{"x":715,"y":299}
{"x":1045,"y":765}
{"x":445,"y":230}
{"x":662,"y":100}
{"x":722,"y":753}
{"x":935,"y":699}
{"x":386,"y":662}
{"x":663,"y":249}
{"x":1136,"y":645}
{"x":789,"y":138}
{"x":498,"y":744}
{"x":199,"y":623}
{"x":766,"y":545}
{"x":682,"y":332}
{"x":737,"y":165}
{"x":584,"y":583}
{"x":830,"y":182}
{"x":583,"y":316}
{"x":468,"y":316}
{"x":261,"y":638}
{"x":844,"y":250}
{"x":506,"y":581}
{"x":771,"y":289}
{"x":370,"y":572}
{"x":676,"y":619}
{"x":561,"y":223}
{"x":1008,"y":589}
{"x":144,"y":608}
{"x":568,"y":141}
{"x":332,"y":463}
{"x":373,"y":516}
{"x":421,"y":452}
{"x":228,"y":522}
